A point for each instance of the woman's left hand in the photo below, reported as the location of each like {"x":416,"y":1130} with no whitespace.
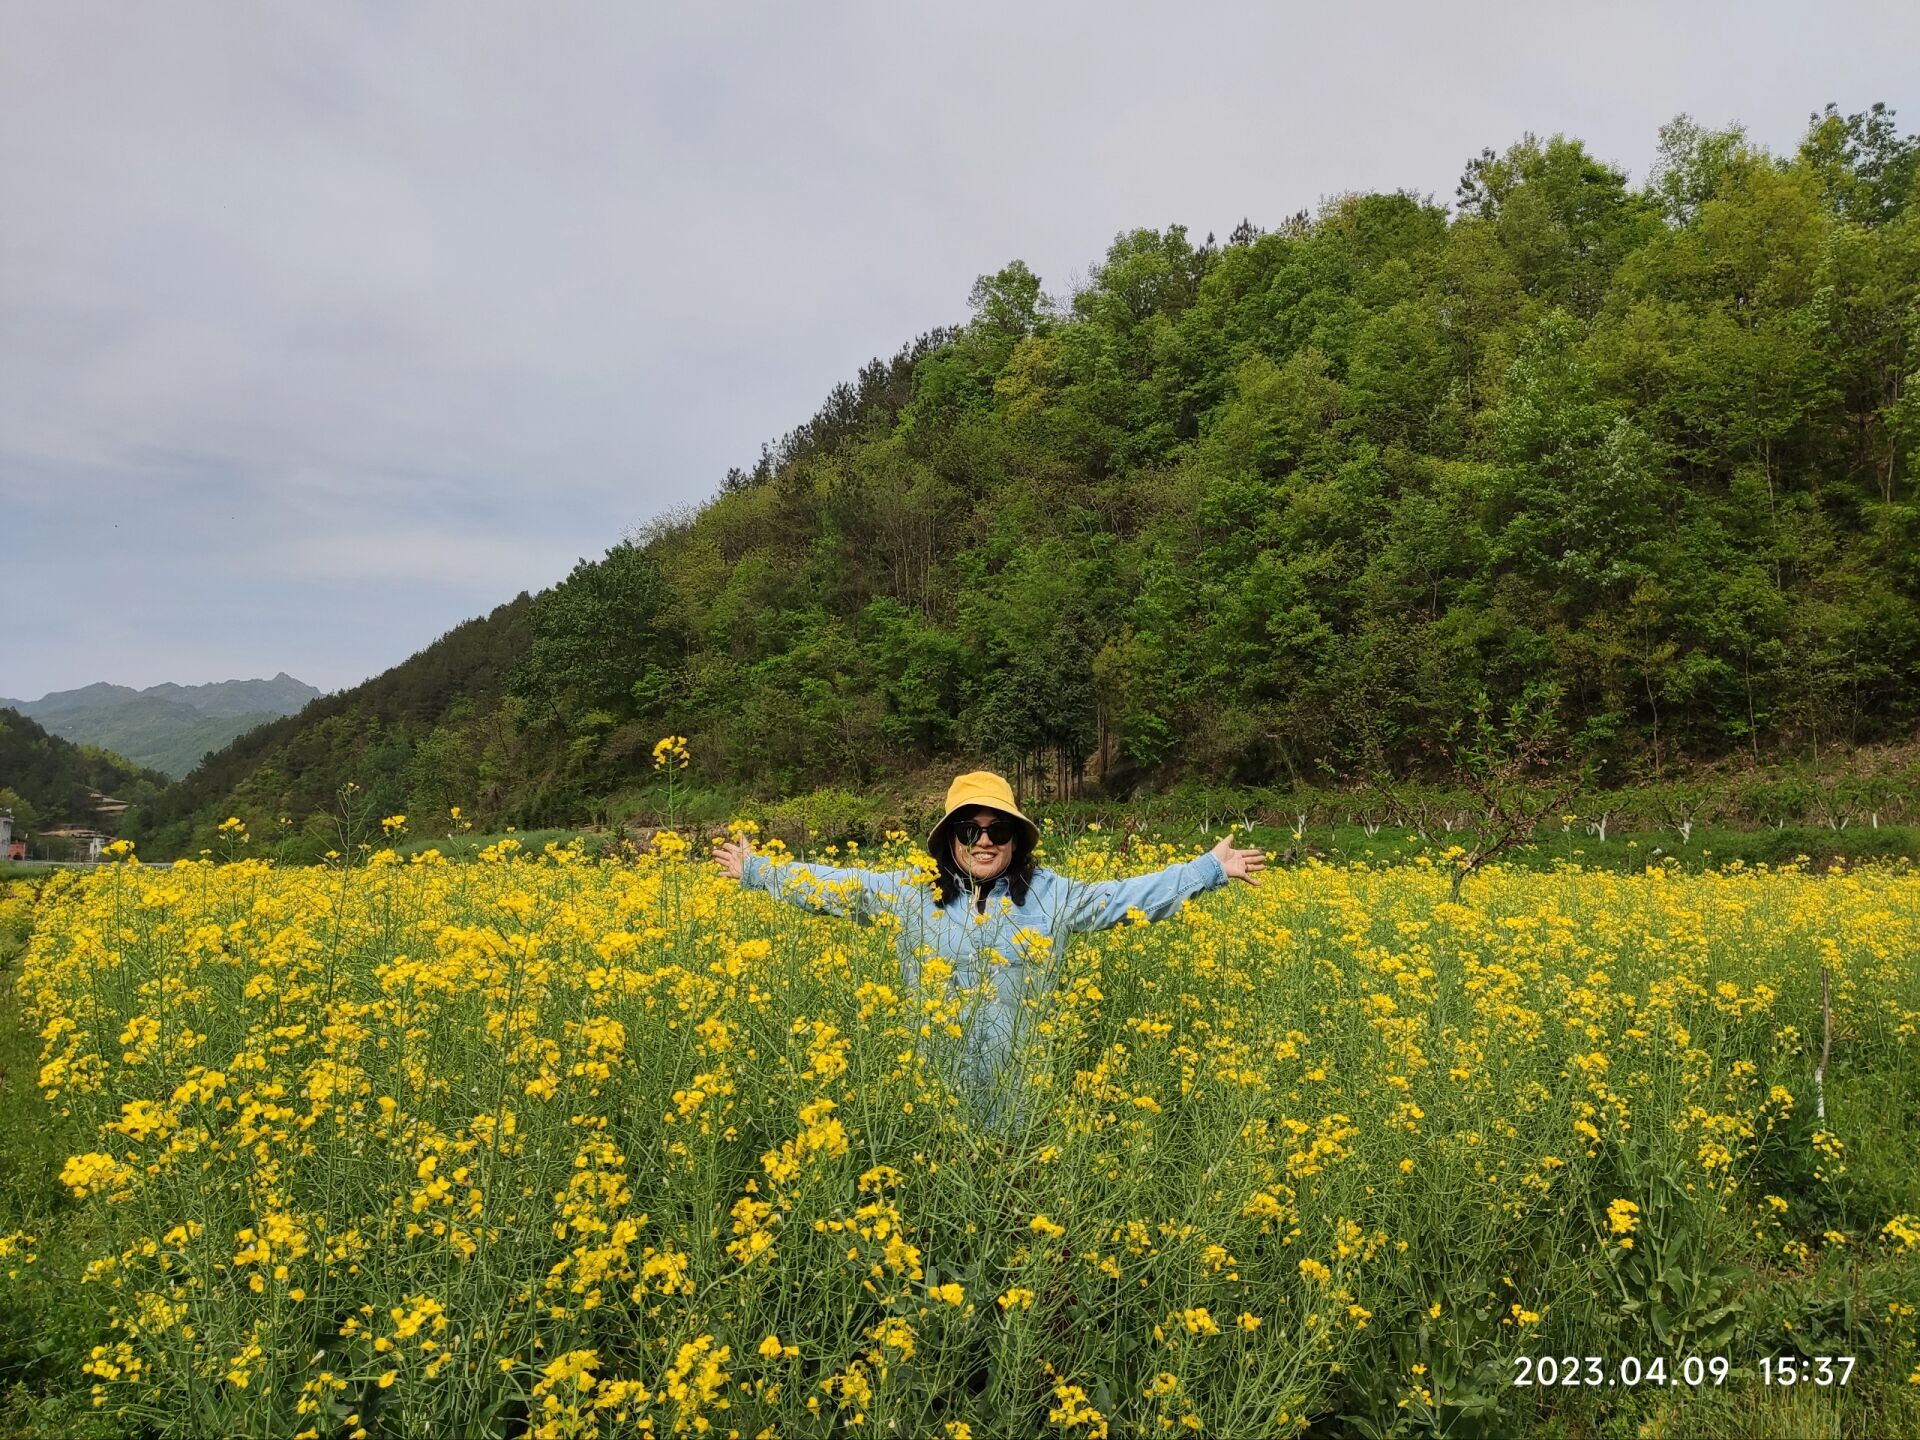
{"x":1239,"y":864}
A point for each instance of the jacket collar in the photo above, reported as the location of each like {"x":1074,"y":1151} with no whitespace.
{"x":990,"y":888}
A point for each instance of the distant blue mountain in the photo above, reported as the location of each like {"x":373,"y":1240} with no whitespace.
{"x":169,"y":727}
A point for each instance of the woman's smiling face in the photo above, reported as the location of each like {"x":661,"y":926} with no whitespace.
{"x":983,"y":859}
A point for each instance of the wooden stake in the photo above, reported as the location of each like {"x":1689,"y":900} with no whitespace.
{"x":1826,"y":1048}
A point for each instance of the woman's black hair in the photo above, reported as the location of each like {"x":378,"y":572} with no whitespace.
{"x":951,"y":881}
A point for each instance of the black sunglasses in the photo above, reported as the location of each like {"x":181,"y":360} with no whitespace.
{"x":999,"y":832}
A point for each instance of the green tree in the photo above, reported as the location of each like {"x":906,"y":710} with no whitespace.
{"x":599,"y":631}
{"x":1399,"y":389}
{"x":25,"y":817}
{"x":1692,"y":163}
{"x":1009,"y":302}
{"x":1565,"y":219}
{"x":1868,"y":171}
{"x":1575,"y":503}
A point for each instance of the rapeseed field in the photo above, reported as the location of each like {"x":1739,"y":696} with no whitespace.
{"x":540,"y":1145}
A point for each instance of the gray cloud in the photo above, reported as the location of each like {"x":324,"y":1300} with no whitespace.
{"x":325,"y":327}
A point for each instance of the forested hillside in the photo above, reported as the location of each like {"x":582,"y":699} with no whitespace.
{"x":45,"y":780}
{"x":382,"y":735}
{"x":1239,"y":508}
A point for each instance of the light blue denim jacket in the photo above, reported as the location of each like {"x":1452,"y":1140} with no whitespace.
{"x":986,"y":1066}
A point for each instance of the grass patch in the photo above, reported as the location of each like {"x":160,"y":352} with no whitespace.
{"x":47,"y":1317}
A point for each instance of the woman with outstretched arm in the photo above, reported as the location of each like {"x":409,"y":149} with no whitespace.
{"x":983,"y":850}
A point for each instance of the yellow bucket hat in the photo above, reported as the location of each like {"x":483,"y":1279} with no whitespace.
{"x":981,"y":787}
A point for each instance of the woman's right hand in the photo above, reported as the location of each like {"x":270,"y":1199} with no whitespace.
{"x":732,"y":857}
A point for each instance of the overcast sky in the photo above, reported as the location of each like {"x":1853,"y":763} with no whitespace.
{"x":325,"y":327}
